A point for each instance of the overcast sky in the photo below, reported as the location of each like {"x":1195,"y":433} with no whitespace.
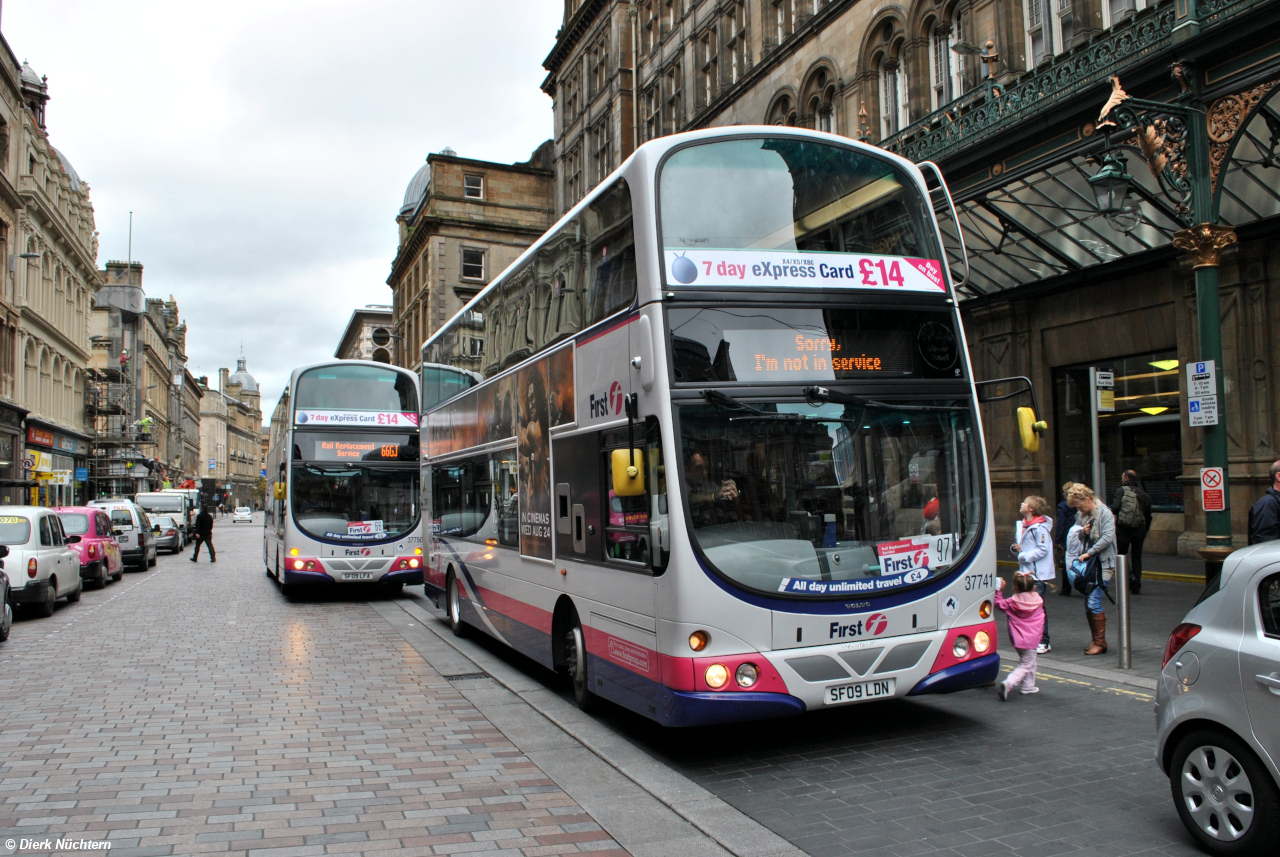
{"x":264,"y":147}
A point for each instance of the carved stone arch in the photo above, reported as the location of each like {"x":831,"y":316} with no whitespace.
{"x":31,"y":373}
{"x":879,"y":39}
{"x":818,"y":93}
{"x":783,"y":107}
{"x":46,"y":380}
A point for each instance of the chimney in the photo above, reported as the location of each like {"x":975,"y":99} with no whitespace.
{"x":223,"y":376}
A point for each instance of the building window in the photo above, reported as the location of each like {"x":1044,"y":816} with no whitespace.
{"x":735,"y":34}
{"x":648,"y":27}
{"x":472,"y":263}
{"x":784,"y":17}
{"x":601,"y":144}
{"x":673,"y":101}
{"x":1049,"y":27}
{"x":573,"y":189}
{"x":670,"y":16}
{"x":477,"y":347}
{"x":709,"y":54}
{"x":893,"y":97}
{"x":598,"y":68}
{"x":652,"y":113}
{"x":473,"y":187}
{"x":572,"y":87}
{"x":947,"y":70}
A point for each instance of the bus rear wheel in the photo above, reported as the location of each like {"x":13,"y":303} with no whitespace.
{"x":575,"y":663}
{"x":453,"y":606}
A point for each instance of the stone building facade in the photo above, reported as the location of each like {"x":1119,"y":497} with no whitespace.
{"x":1005,"y":96}
{"x":368,"y":335}
{"x":230,"y":436}
{"x":462,"y":222}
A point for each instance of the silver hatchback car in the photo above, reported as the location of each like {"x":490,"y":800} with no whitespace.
{"x":1218,"y":708}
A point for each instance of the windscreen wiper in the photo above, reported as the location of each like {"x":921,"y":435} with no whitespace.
{"x":729,"y":403}
{"x":818,"y":395}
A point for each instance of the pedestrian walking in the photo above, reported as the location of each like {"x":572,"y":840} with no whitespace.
{"x":1264,"y":515}
{"x":204,"y":535}
{"x":1098,"y":540}
{"x":1132,"y":509}
{"x":1025,"y":612}
{"x":1035,"y":553}
{"x":1063,"y":521}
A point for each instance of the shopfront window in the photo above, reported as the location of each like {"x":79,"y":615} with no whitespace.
{"x":1142,"y":434}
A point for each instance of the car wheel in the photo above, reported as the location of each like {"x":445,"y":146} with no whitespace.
{"x":45,"y":608}
{"x":1224,"y":795}
{"x":575,"y":662}
{"x":453,"y":605}
{"x":6,"y":619}
{"x":73,"y":597}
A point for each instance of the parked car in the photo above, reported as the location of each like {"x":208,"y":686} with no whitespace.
{"x":6,"y":598}
{"x":38,"y":546}
{"x":1218,"y":708}
{"x":168,"y":534}
{"x":88,"y":530}
{"x":132,"y":529}
{"x":242,"y":514}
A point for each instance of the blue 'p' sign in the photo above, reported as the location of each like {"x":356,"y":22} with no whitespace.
{"x":1200,"y":367}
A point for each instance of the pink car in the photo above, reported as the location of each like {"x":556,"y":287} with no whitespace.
{"x":89,"y":534}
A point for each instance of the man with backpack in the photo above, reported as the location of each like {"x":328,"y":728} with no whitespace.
{"x":1132,"y":509}
{"x":1264,"y":516}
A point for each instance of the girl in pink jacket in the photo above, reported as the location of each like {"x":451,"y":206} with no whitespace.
{"x":1025,"y":611}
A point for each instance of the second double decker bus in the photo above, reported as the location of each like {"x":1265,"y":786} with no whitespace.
{"x":711,"y":446}
{"x":343,"y":503}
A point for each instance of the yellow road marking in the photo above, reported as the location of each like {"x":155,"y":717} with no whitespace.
{"x":1136,"y":694}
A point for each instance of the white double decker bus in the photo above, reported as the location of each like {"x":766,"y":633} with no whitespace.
{"x":342,"y":480}
{"x":711,"y":446}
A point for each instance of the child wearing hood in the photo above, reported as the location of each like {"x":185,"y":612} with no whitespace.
{"x":1035,"y":552}
{"x":1025,"y":611}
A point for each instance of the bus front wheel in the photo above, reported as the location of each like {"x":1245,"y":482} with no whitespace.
{"x":454,"y":607}
{"x":575,"y":662}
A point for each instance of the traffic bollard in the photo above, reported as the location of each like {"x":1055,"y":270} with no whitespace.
{"x":1121,"y":581}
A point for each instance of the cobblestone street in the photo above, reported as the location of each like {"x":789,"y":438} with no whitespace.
{"x":192,"y":709}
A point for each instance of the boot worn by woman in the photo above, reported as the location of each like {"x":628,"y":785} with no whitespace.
{"x":1098,"y":625}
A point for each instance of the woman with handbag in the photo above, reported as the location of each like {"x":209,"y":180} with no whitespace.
{"x":1099,"y":527}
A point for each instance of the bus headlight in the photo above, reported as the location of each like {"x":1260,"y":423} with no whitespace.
{"x":981,"y":641}
{"x":717,"y":676}
{"x":698,"y":640}
{"x":961,"y":648}
{"x":747,"y":675}
{"x":298,"y":565}
{"x":984,"y":611}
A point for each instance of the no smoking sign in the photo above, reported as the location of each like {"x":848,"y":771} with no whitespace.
{"x":1212,"y":496}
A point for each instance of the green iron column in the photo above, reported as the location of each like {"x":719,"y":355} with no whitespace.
{"x":1204,"y":243}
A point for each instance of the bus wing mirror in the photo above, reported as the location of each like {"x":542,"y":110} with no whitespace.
{"x":628,"y":472}
{"x":1030,"y":428}
{"x":278,"y":493}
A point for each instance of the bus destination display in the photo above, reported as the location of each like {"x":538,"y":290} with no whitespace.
{"x":351,"y":448}
{"x":786,"y":355}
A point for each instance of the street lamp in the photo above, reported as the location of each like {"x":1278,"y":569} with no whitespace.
{"x":1111,"y":184}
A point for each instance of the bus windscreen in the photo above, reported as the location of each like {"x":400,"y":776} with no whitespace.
{"x":789,"y":212}
{"x":336,"y":390}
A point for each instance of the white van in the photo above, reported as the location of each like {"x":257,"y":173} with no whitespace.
{"x":132,"y":529}
{"x":167,"y":503}
{"x":41,"y":565}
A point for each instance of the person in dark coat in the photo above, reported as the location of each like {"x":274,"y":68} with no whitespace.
{"x":1130,"y":535}
{"x":1063,"y":520}
{"x":1264,"y":516}
{"x":204,"y":535}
